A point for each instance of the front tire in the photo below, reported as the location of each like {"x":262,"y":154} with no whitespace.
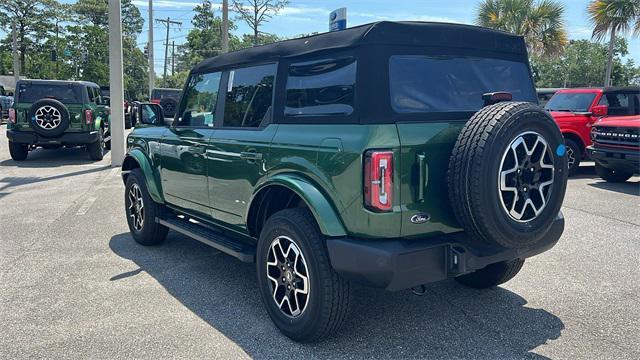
{"x":292,"y":262}
{"x":18,"y":151}
{"x":142,"y":211}
{"x":574,"y":156}
{"x":492,"y":275}
{"x":610,"y":175}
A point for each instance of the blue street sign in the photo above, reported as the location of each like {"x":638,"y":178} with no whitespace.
{"x":338,"y":19}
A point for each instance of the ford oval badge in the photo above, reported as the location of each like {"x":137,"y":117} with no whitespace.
{"x":420,"y":218}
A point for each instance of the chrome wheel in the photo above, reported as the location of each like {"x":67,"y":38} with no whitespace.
{"x":136,"y":207}
{"x":48,"y":117}
{"x":526,"y":175}
{"x":289,"y":276}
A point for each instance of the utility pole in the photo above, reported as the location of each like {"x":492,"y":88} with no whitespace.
{"x":167,"y":23}
{"x":225,"y":26}
{"x":116,"y":125}
{"x":16,"y":60}
{"x":152,"y":73}
{"x":173,"y":57}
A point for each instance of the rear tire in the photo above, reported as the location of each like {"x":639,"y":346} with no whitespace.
{"x":610,"y":175}
{"x":326,"y":304}
{"x":18,"y":151}
{"x":96,"y":149}
{"x":574,"y":156}
{"x":492,"y":275}
{"x":141,"y":211}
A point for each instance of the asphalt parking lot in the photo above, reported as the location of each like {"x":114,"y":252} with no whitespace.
{"x":73,"y":284}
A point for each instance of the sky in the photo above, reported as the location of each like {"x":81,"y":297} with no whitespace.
{"x":307,"y":16}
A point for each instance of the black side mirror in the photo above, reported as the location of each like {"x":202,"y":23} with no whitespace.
{"x":148,"y":114}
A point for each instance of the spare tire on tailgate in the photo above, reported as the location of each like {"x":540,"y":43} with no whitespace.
{"x":49,"y":117}
{"x":508,"y":174}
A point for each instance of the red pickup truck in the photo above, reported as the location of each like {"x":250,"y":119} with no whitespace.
{"x":616,"y":147}
{"x":575,"y":111}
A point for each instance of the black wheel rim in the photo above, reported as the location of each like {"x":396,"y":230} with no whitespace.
{"x":136,"y":207}
{"x":526,"y":177}
{"x":288,"y":276}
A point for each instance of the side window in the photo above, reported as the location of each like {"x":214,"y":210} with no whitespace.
{"x":249,"y":96}
{"x":200,"y":99}
{"x":92,"y":95}
{"x":618,"y":103}
{"x":320,"y":88}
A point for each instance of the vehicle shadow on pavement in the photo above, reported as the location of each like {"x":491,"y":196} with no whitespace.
{"x":584,"y":172}
{"x":628,"y":187}
{"x":49,"y":158}
{"x":449,"y":321}
{"x":14,"y":181}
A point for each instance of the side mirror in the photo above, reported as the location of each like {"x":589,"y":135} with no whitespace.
{"x":9,"y":93}
{"x":106,"y":100}
{"x":600,"y":110}
{"x":148,"y":114}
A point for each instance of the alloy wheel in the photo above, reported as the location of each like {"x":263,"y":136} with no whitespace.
{"x":526,"y":176}
{"x":288,"y":274}
{"x":48,"y":117}
{"x":136,"y":207}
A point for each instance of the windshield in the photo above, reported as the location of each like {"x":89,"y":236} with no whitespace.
{"x":65,"y":93}
{"x":574,"y":102}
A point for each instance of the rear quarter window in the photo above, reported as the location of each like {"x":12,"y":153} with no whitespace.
{"x":321,"y":88}
{"x":423,"y":84}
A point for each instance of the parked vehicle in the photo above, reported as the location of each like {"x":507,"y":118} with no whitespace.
{"x":292,"y":156}
{"x":545,"y":94}
{"x":616,"y":147}
{"x":52,"y":113}
{"x":6,"y":100}
{"x":167,"y":98}
{"x":106,"y":95}
{"x":575,"y":111}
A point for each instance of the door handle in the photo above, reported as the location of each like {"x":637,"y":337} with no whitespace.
{"x":250,"y":155}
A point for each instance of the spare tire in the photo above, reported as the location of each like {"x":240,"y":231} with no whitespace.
{"x":169,"y":107}
{"x":49,"y":117}
{"x":508,"y":174}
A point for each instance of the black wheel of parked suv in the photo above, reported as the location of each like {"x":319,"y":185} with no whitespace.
{"x":492,"y":275}
{"x":96,"y":149}
{"x":574,"y":156}
{"x":49,"y":117}
{"x":508,"y":174}
{"x":169,"y":107}
{"x":18,"y":151}
{"x":142,"y":211}
{"x":303,"y":295}
{"x":611,"y":175}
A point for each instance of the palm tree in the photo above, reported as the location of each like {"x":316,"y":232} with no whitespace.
{"x":613,"y":17}
{"x":540,"y":22}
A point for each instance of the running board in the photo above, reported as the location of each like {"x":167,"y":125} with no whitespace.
{"x":238,"y":249}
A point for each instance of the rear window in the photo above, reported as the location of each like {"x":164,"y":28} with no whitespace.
{"x":421,"y":84}
{"x":320,"y":88}
{"x":249,"y":96}
{"x":165,"y":93}
{"x":575,"y":102}
{"x":65,"y":93}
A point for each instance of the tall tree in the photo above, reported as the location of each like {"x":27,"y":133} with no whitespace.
{"x":32,"y":18}
{"x":540,"y":22}
{"x":613,"y":17}
{"x":258,"y":12}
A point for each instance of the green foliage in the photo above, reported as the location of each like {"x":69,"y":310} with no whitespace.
{"x":540,"y":22}
{"x":582,"y":64}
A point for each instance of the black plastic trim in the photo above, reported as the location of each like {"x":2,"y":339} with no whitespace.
{"x":32,"y":138}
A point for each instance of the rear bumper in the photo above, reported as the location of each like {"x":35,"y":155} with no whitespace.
{"x":616,"y":159}
{"x":403,"y":264}
{"x":33,"y":138}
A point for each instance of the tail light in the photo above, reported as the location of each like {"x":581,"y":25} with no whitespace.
{"x":88,"y":116}
{"x":155,"y":101}
{"x":378,"y":180}
{"x":12,"y":115}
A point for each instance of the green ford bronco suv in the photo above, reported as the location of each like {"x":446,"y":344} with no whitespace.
{"x":52,"y":113}
{"x":389,"y":154}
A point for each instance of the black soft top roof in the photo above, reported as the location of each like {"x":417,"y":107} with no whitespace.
{"x":409,"y":33}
